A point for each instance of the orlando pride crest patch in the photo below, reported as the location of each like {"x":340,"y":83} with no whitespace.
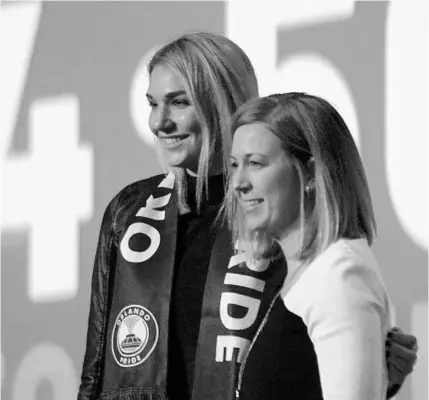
{"x":134,"y":336}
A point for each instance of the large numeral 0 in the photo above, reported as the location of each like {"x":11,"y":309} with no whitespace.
{"x":407,"y":105}
{"x":46,"y":363}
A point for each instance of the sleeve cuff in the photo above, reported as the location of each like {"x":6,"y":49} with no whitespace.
{"x":392,"y":390}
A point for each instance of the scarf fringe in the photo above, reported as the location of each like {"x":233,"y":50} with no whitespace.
{"x":134,"y":394}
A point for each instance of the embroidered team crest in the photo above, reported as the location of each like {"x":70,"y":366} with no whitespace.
{"x":134,"y":336}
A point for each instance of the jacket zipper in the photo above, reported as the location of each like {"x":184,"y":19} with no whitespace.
{"x":243,"y":364}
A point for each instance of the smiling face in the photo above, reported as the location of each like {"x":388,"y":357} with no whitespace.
{"x":173,"y":118}
{"x":265,"y":180}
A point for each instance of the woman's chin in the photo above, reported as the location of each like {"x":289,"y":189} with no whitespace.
{"x":174,"y":160}
{"x":255,"y":223}
{"x":182,"y":162}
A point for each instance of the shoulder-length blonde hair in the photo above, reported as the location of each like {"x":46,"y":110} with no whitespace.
{"x":337,"y":202}
{"x":219,"y":77}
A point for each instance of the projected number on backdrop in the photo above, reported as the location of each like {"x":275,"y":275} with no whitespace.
{"x":40,"y":188}
{"x":46,"y":362}
{"x":407,"y":106}
{"x":54,"y":170}
{"x":304,"y":72}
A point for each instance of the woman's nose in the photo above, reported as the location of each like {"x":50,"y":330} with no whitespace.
{"x":161,"y":121}
{"x":240,"y":181}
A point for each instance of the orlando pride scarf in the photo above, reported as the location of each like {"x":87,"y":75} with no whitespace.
{"x":235,"y":301}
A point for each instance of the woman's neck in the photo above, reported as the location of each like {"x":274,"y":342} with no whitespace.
{"x":215,"y":166}
{"x":213,"y":170}
{"x":212,"y":195}
{"x":290,"y":243}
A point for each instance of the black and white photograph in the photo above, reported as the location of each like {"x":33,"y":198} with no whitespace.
{"x":214,"y":200}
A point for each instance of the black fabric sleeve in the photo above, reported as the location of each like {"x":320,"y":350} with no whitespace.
{"x":392,"y":390}
{"x":101,"y":293}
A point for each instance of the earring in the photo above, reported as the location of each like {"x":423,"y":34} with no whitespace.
{"x":308,"y":187}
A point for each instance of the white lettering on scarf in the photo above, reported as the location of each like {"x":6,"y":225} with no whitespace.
{"x":151,"y":211}
{"x":226,"y":344}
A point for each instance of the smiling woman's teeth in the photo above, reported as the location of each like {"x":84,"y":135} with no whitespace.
{"x":173,"y":140}
{"x":253,"y":202}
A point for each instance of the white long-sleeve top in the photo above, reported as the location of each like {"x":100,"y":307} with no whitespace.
{"x":341,"y":297}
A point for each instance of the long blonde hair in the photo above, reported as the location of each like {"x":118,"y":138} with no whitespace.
{"x":219,"y":77}
{"x":338,"y":202}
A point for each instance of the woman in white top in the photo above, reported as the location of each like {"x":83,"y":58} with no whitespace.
{"x":297,"y":178}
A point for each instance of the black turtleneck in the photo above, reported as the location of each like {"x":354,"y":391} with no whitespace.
{"x":195,"y":239}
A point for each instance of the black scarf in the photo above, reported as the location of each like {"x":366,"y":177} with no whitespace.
{"x":236,"y":298}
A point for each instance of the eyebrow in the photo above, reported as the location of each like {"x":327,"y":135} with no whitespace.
{"x":168,"y":96}
{"x":248,"y":155}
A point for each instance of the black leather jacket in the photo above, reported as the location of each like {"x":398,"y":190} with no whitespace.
{"x":114,"y":221}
